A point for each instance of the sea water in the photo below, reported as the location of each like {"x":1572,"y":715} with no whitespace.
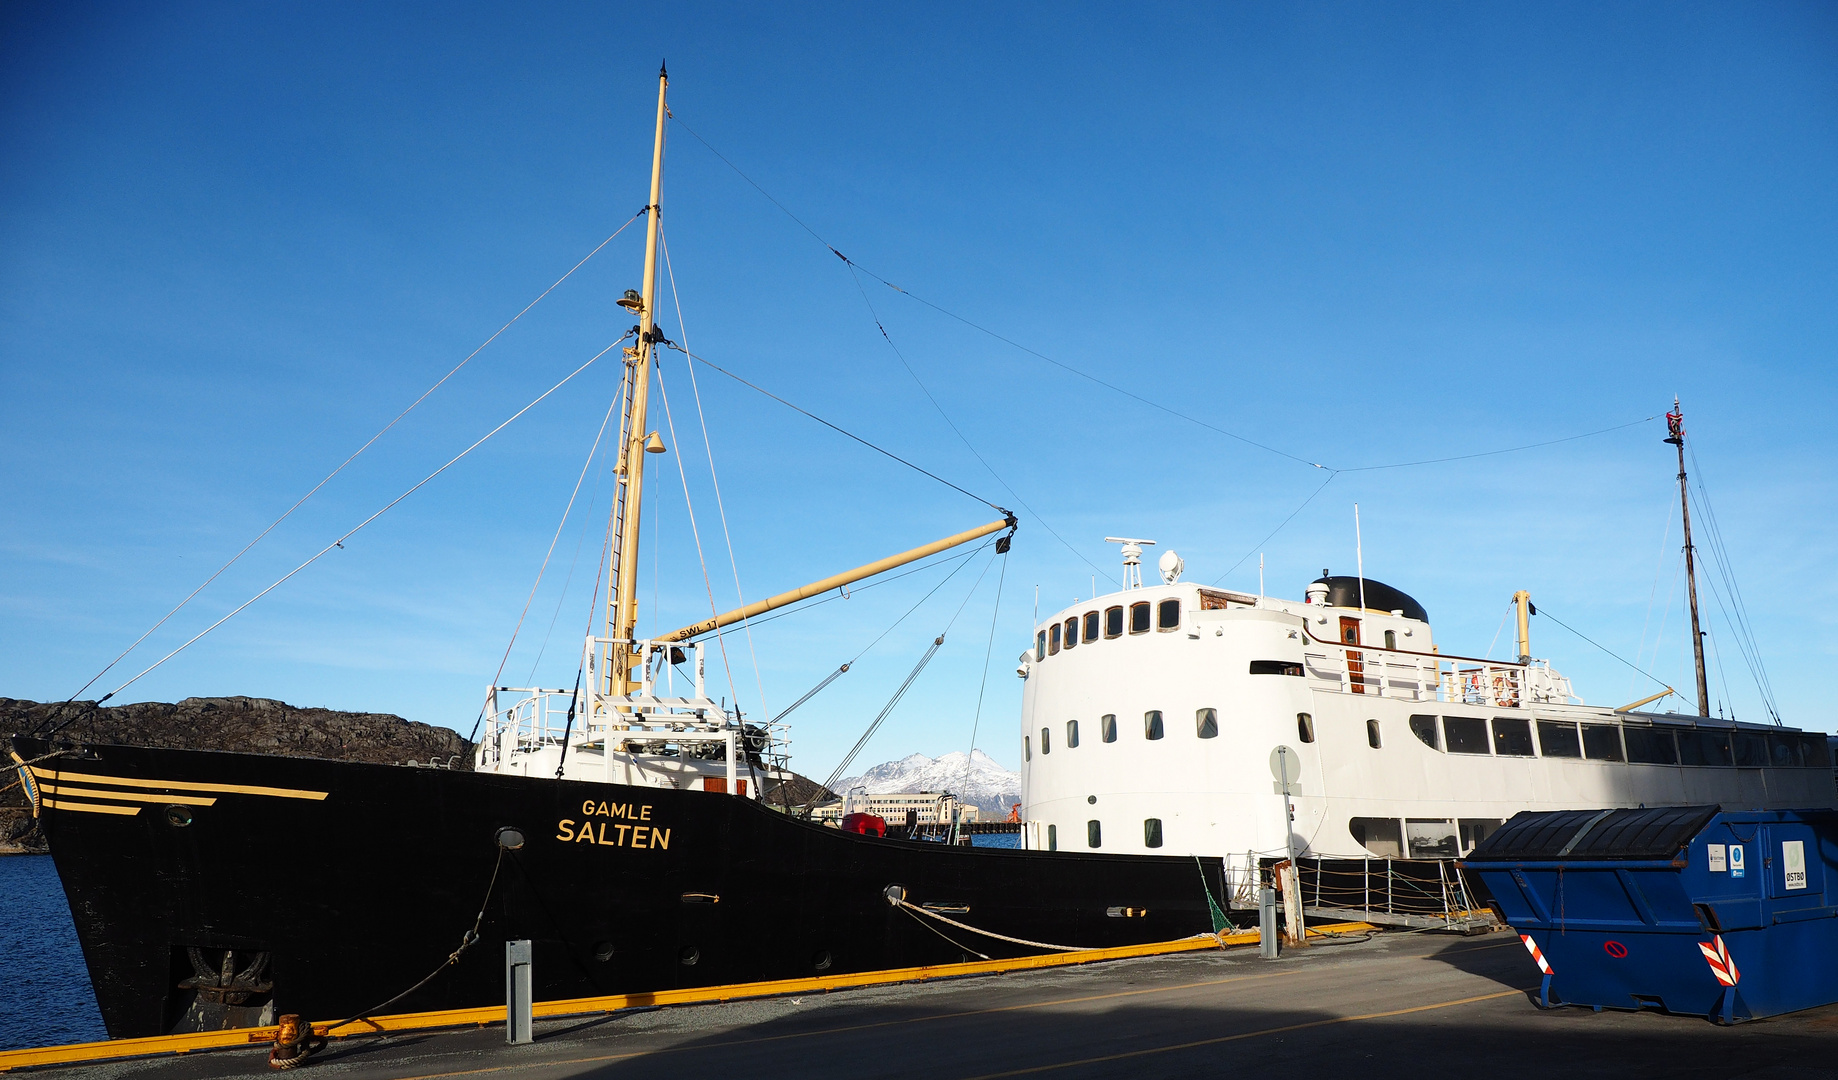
{"x":45,"y":999}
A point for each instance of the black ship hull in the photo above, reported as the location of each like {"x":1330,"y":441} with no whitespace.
{"x":347,"y":883}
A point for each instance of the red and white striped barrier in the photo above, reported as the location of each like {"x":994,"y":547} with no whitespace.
{"x":1532,"y":947}
{"x":1720,"y":963}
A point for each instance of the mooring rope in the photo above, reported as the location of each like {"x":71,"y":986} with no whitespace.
{"x":909,"y":906}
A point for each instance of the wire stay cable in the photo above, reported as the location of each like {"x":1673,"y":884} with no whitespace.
{"x":340,"y":542}
{"x":354,"y":455}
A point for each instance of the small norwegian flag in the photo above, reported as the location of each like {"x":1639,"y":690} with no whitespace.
{"x":1532,"y":947}
{"x":1720,"y":963}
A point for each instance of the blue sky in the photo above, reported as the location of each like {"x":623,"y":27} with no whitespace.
{"x":236,"y":239}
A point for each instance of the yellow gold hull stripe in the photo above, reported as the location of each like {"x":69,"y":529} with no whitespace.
{"x":130,"y":796}
{"x":210,"y":1040}
{"x":177,"y":785}
{"x":91,"y":808}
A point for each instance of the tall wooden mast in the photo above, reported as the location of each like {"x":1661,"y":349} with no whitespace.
{"x":1675,"y":434}
{"x":622,"y":605}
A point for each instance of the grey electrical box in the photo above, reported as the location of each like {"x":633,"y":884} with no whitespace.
{"x":518,"y":1020}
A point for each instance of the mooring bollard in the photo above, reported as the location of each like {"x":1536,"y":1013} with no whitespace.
{"x":1266,"y":923}
{"x":518,"y":1021}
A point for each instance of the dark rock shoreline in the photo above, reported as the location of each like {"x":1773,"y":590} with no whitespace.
{"x":241,"y":724}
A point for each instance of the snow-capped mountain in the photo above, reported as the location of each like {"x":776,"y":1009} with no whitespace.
{"x":984,"y":784}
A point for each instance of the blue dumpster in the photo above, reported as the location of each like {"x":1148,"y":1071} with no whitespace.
{"x":1691,"y":910}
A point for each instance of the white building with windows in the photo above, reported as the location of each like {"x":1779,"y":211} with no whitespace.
{"x":1152,"y":720}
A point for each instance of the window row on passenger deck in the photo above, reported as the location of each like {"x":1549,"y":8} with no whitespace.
{"x":1512,"y":736}
{"x":1165,"y":615}
{"x":1205,"y":726}
{"x":1094,"y":834}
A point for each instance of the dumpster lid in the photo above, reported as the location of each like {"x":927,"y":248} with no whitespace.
{"x":1647,"y":833}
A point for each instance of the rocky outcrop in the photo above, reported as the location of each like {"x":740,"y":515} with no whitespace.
{"x":242,"y":724}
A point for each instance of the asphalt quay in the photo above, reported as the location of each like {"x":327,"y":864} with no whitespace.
{"x":1415,"y":1005}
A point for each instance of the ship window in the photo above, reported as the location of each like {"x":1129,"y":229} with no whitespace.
{"x":1040,"y":645}
{"x":1139,"y":618}
{"x":1751,"y":748}
{"x":1276,"y":667}
{"x":1027,"y":748}
{"x":1781,"y":752}
{"x":1704,"y":748}
{"x":1072,"y":734}
{"x":1206,"y":722}
{"x":1046,"y":743}
{"x":1052,"y":837}
{"x":1391,"y":639}
{"x":1168,"y":615}
{"x":1558,"y":739}
{"x":1091,"y":626}
{"x":1305,"y":727}
{"x":1474,"y":830}
{"x":1053,"y":639}
{"x":1431,"y":839}
{"x":1815,"y":752}
{"x":1072,"y":631}
{"x":1372,"y":734}
{"x":1602,"y":742}
{"x":1424,"y":728}
{"x":1113,"y":622}
{"x":1465,"y":734}
{"x":1646,"y":746}
{"x":1094,"y":835}
{"x":1152,"y":724}
{"x":1379,"y":835}
{"x":1152,"y":832}
{"x":1107,"y":727}
{"x":1512,"y":737}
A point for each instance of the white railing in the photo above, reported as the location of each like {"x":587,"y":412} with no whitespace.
{"x":534,"y":717}
{"x":1427,"y":677}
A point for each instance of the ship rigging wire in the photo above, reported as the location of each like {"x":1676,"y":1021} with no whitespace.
{"x":1734,"y":609}
{"x":340,"y":542}
{"x":354,"y":455}
{"x":1547,"y":614}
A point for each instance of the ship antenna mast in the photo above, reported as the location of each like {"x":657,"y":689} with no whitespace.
{"x":622,"y":586}
{"x":1675,"y":434}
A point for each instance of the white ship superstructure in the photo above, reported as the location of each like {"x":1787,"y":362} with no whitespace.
{"x":1153,"y":718}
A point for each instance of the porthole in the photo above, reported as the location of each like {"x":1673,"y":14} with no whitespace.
{"x":1094,"y":834}
{"x":1152,"y":832}
{"x":603,"y":952}
{"x":1052,"y":837}
{"x":1072,"y":734}
{"x":1305,"y":727}
{"x":1027,"y":749}
{"x":1206,"y":723}
{"x":1046,"y":741}
{"x":1152,"y":724}
{"x":1372,"y":734}
{"x":1107,"y":727}
{"x":689,"y":956}
{"x":178,"y":816}
{"x":822,"y":960}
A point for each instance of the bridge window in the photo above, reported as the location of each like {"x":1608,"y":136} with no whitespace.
{"x":1372,"y":734}
{"x":1206,"y":722}
{"x":1113,"y":622}
{"x":1107,"y":727}
{"x":1072,"y":734}
{"x":1072,"y":632}
{"x":1781,"y":751}
{"x":1815,"y":752}
{"x":1094,"y":835}
{"x":1424,"y":728}
{"x":1152,"y":832}
{"x":1276,"y":667}
{"x":1647,"y":746}
{"x":1379,"y":835}
{"x":1053,"y":640}
{"x":1305,"y":727}
{"x":1602,"y":742}
{"x":1152,"y":724}
{"x":1751,"y":748}
{"x":1139,"y":618}
{"x":1704,"y":748}
{"x":1558,"y":739}
{"x":1046,"y":743}
{"x":1465,"y":734}
{"x":1168,"y":615}
{"x":1091,"y":626}
{"x":1040,"y":645}
{"x":1512,"y":736}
